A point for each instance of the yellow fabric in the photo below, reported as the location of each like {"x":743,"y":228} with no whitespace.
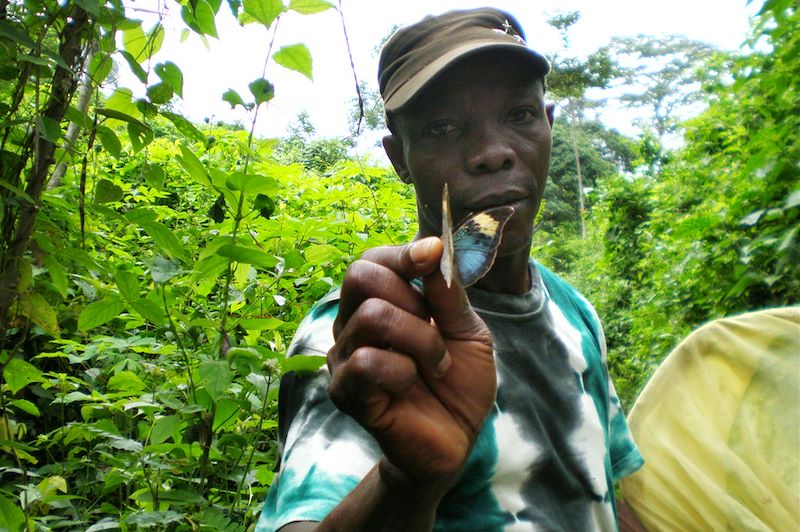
{"x":718,"y":425}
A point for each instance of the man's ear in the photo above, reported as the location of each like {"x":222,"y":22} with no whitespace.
{"x":393,"y":146}
{"x":550,"y":109}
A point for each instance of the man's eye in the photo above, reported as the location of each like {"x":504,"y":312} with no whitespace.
{"x":522,"y":115}
{"x":440,"y":129}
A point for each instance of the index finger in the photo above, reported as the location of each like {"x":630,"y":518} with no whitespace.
{"x":384,"y":273}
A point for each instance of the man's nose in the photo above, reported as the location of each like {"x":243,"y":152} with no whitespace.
{"x":489,"y":150}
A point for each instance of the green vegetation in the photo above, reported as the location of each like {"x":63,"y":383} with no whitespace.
{"x":154,"y":270}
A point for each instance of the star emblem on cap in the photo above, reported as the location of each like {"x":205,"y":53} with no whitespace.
{"x":508,"y":29}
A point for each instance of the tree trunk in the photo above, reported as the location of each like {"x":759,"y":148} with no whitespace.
{"x":62,"y":88}
{"x":580,"y":177}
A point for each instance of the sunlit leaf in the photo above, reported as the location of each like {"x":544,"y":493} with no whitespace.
{"x":109,"y":140}
{"x":263,"y":11}
{"x":26,"y":406}
{"x":262,"y":90}
{"x":233,"y":98}
{"x":248,"y":255}
{"x":309,"y":7}
{"x":184,"y":127}
{"x":295,"y":57}
{"x":302,"y":363}
{"x":192,"y":165}
{"x":171,"y":75}
{"x":100,"y":66}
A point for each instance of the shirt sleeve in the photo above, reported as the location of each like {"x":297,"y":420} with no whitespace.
{"x":324,"y":453}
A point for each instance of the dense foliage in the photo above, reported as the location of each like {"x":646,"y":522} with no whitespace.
{"x":154,"y":270}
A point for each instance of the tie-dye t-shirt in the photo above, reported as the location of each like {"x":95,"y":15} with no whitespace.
{"x":546,"y":458}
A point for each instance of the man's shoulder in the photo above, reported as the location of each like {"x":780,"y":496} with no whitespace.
{"x":315,"y":333}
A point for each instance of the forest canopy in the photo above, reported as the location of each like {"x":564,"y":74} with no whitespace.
{"x":154,"y":269}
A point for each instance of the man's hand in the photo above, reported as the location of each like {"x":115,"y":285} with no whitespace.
{"x":415,"y":370}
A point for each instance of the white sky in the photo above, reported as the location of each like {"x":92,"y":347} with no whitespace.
{"x":238,"y":56}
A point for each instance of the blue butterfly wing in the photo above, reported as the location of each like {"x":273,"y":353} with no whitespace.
{"x":475,"y":243}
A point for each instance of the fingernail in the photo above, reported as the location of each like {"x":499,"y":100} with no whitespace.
{"x":420,"y":250}
{"x":444,"y":365}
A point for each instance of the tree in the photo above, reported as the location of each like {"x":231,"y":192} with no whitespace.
{"x":662,"y":75}
{"x":569,"y":80}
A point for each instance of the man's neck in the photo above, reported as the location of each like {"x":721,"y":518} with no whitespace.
{"x":509,"y":274}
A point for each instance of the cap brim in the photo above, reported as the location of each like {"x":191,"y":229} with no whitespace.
{"x":403,"y":94}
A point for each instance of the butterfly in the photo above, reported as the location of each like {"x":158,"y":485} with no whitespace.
{"x":469,"y":252}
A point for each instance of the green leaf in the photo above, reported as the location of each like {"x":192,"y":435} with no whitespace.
{"x":262,"y":90}
{"x":128,"y":284}
{"x":215,"y":377}
{"x":19,"y":373}
{"x":57,"y":275}
{"x":142,"y":46}
{"x":134,"y":65}
{"x":247,"y":255}
{"x":12,"y":517}
{"x":793,"y":200}
{"x":107,"y":191}
{"x":302,"y":363}
{"x":127,"y":381}
{"x":100,"y":67}
{"x":164,"y":239}
{"x":150,"y":311}
{"x":100,"y":312}
{"x":295,"y":57}
{"x":109,"y":140}
{"x":160,"y":93}
{"x":263,"y":11}
{"x":184,"y":127}
{"x":233,"y":98}
{"x":122,"y":116}
{"x":16,"y":34}
{"x":41,"y":313}
{"x":154,"y":175}
{"x":261,"y":324}
{"x":26,"y":406}
{"x":162,"y":270}
{"x":193,"y":166}
{"x":49,"y":129}
{"x":225,"y":414}
{"x":164,"y":428}
{"x":309,"y":7}
{"x":251,"y":183}
{"x":319,"y":253}
{"x":171,"y":75}
{"x":140,"y":136}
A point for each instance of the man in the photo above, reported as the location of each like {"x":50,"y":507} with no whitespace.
{"x":481,"y":409}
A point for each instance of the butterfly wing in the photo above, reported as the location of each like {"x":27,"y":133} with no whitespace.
{"x":475,"y":243}
{"x":446,"y":262}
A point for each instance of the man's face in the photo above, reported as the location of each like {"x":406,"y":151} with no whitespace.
{"x":482,"y":127}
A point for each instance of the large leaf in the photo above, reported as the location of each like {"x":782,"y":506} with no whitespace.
{"x":41,"y":313}
{"x":295,"y":57}
{"x":142,"y":46}
{"x":196,"y":170}
{"x":165,"y":239}
{"x":248,"y":255}
{"x":19,"y":373}
{"x":215,"y":377}
{"x":184,"y":127}
{"x":100,"y":312}
{"x":309,"y":7}
{"x":164,"y":428}
{"x":171,"y":75}
{"x":263,"y":11}
{"x":262,"y":90}
{"x":11,"y":516}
